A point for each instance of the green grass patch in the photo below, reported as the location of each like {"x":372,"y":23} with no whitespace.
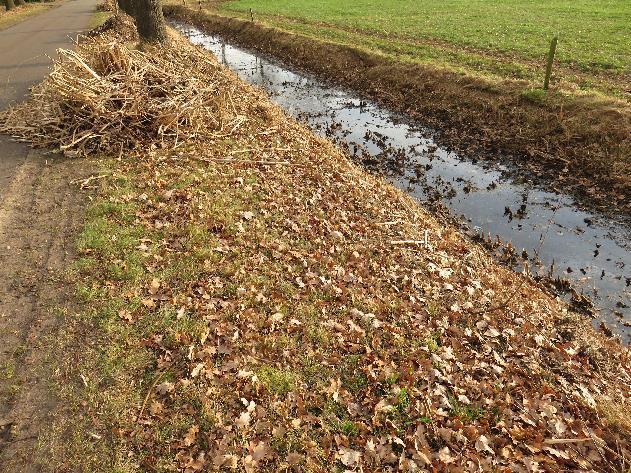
{"x":7,"y":370}
{"x":277,"y":381}
{"x":466,"y":412}
{"x":98,"y":18}
{"x":537,"y":96}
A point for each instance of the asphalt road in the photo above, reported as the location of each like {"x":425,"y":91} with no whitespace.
{"x":25,"y":58}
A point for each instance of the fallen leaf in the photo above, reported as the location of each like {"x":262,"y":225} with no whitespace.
{"x":243,"y":421}
{"x":191,"y":436}
{"x":165,"y":388}
{"x":348,"y":456}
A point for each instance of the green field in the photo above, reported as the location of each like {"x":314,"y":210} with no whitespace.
{"x":507,"y":38}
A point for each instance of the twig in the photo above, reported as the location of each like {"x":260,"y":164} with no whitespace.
{"x":77,"y":58}
{"x":144,"y":404}
{"x":85,"y":182}
{"x":424,"y":241}
{"x":558,"y":441}
{"x":254,"y":150}
{"x":407,"y":242}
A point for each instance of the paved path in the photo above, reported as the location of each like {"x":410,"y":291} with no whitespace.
{"x":27,"y":49}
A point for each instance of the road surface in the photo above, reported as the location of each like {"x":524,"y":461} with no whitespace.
{"x":25,"y":58}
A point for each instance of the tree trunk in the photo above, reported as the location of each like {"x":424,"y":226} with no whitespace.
{"x":19,"y":3}
{"x":127,"y":6}
{"x":9,"y":4}
{"x":150,"y":21}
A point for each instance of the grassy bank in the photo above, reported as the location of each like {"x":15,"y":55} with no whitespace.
{"x":253,"y":301}
{"x":581,"y":144}
{"x":507,"y":39}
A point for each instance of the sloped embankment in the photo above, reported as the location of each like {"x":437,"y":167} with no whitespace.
{"x":580,"y":143}
{"x":263,"y":304}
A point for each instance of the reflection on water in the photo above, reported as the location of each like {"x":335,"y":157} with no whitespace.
{"x":593,"y":253}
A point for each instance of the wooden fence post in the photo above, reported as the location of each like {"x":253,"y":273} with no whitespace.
{"x":553,"y":48}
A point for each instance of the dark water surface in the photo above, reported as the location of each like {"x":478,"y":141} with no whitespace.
{"x":590,"y":251}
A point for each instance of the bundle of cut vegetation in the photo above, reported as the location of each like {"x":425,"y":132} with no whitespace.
{"x":107,"y":97}
{"x":256,"y":302}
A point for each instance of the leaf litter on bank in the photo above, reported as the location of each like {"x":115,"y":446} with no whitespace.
{"x":283,"y":328}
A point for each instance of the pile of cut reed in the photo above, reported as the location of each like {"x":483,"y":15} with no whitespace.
{"x":110,"y":97}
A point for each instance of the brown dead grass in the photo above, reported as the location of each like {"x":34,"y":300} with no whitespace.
{"x":616,"y":414}
{"x":589,"y":136}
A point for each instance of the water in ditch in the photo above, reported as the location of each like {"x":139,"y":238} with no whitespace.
{"x":560,"y":241}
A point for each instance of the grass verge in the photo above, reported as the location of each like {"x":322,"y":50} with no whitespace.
{"x":19,"y":14}
{"x":99,"y":18}
{"x":254,"y":301}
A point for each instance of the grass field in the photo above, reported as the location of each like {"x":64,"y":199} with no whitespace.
{"x":506,"y":38}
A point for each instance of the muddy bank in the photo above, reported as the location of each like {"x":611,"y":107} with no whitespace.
{"x":581,"y":145}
